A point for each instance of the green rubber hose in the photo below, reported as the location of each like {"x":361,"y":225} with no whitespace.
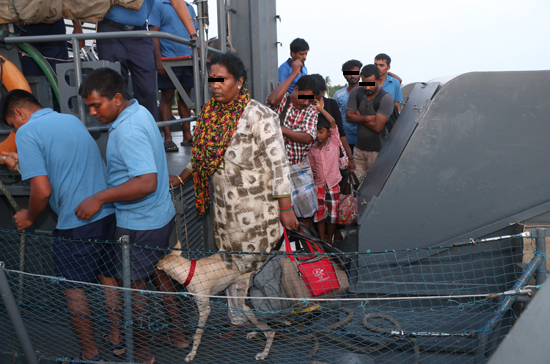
{"x":43,"y":64}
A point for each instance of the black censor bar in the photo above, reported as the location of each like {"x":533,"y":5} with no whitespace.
{"x":366,"y":83}
{"x":215,"y":79}
{"x":305,"y":97}
{"x":351,"y":73}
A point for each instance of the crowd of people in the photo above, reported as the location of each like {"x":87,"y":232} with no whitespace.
{"x":243,"y":152}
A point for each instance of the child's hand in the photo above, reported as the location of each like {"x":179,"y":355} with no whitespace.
{"x":317,"y":105}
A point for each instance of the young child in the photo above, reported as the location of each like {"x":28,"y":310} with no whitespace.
{"x":324,"y":159}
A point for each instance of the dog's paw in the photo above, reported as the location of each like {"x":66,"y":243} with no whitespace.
{"x":261,"y":356}
{"x":190,"y":356}
{"x":252,"y":335}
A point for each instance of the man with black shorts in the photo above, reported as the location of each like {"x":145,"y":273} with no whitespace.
{"x":135,"y":55}
{"x":137,"y":177}
{"x":165,"y":19}
{"x":63,"y":164}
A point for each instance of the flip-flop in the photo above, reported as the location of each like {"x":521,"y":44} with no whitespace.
{"x":117,"y":349}
{"x":170,"y":147}
{"x":187,"y":143}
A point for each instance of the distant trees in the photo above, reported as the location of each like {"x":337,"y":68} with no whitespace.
{"x":332,"y":89}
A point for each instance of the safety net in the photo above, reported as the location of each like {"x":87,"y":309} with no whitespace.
{"x":447,"y":304}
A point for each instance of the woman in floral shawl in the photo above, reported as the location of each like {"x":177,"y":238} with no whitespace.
{"x":238,"y":144}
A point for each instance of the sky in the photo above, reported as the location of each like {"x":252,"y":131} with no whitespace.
{"x":425,"y":39}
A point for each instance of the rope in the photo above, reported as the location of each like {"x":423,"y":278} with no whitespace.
{"x":373,"y":299}
{"x":345,"y":342}
{"x":14,"y":9}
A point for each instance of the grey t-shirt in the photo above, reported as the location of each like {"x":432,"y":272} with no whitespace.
{"x":367,"y":139}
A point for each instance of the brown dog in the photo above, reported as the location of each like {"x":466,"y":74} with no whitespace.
{"x":210,"y":277}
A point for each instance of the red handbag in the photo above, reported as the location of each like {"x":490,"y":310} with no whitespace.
{"x":317,"y":272}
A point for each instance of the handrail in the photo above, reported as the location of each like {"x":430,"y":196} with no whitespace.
{"x":194,"y":44}
{"x":105,"y":35}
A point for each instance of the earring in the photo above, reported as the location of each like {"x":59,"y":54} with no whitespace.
{"x":239,"y":87}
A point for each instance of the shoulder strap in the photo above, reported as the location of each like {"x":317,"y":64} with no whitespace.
{"x":359,"y":95}
{"x":282,"y":115}
{"x":378,"y":99}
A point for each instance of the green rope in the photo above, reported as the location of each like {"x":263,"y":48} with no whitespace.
{"x":14,"y":9}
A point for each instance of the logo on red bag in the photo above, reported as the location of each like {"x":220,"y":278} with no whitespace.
{"x":321,"y":274}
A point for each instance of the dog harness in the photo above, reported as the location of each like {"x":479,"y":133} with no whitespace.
{"x":191,"y":273}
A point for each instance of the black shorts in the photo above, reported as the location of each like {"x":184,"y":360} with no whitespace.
{"x":152,"y":246}
{"x":184,"y":74}
{"x":84,"y":255}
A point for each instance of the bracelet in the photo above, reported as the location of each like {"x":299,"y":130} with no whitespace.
{"x":180,"y":180}
{"x":193,"y":35}
{"x":286,"y":209}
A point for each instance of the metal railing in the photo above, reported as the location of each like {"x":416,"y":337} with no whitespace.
{"x":200,"y":79}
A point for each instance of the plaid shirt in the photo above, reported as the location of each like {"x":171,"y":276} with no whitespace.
{"x":297,"y":120}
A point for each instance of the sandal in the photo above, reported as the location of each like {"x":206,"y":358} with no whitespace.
{"x":170,"y":147}
{"x":80,"y":359}
{"x":188,"y":143}
{"x":117,"y":349}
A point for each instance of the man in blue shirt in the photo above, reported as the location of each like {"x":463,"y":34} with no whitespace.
{"x":350,"y":69}
{"x":63,"y":164}
{"x":165,"y":19}
{"x":136,"y":54}
{"x":137,"y":177}
{"x":298,"y":54}
{"x":389,"y":83}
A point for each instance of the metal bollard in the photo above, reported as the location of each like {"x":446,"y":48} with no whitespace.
{"x":15,"y":317}
{"x":540,"y":241}
{"x":127,"y":281}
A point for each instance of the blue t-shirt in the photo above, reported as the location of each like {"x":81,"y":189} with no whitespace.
{"x":393,"y":87}
{"x":135,"y":148}
{"x":59,"y":146}
{"x":341,"y":97}
{"x":165,"y":17}
{"x":126,"y":16}
{"x":285,"y":70}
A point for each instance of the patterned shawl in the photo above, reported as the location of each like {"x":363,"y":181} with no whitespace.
{"x":215,"y":127}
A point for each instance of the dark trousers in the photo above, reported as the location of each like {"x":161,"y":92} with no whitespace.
{"x":137,"y":56}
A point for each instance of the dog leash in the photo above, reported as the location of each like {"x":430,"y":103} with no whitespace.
{"x":177,"y":219}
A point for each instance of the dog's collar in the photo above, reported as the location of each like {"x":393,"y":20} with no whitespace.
{"x":191,"y":273}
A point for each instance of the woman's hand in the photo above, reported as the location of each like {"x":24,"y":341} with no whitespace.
{"x":174,"y":180}
{"x":351,"y":165}
{"x":289,"y":220}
